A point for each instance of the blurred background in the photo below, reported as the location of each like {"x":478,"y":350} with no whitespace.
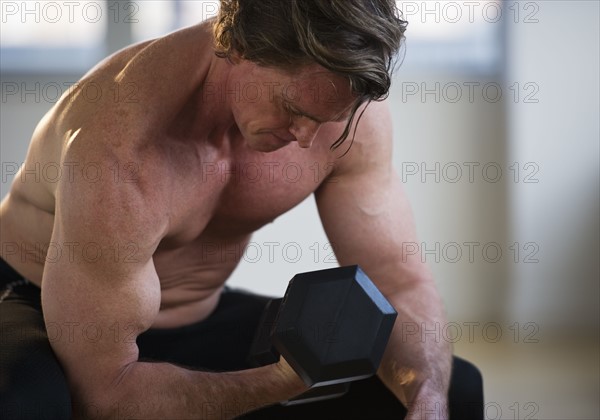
{"x":496,"y":118}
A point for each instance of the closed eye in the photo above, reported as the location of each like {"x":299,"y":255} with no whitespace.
{"x":297,"y":113}
{"x":292,"y":111}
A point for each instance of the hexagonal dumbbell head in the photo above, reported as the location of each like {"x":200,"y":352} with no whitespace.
{"x":333,"y":325}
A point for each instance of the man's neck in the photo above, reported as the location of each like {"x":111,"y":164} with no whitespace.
{"x":215,"y":113}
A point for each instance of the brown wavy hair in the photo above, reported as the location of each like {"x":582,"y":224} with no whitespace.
{"x":358,"y":39}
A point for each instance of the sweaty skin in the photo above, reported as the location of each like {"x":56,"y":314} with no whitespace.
{"x":162,"y":182}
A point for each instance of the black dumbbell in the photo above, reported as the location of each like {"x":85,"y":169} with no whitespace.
{"x":332,"y":327}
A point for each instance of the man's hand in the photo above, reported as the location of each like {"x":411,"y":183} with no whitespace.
{"x":429,"y":405}
{"x":289,"y":375}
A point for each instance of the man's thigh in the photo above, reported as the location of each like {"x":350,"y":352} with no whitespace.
{"x":219,"y":343}
{"x":32,"y":383}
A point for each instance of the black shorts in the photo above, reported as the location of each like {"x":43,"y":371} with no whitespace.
{"x":33,"y":386}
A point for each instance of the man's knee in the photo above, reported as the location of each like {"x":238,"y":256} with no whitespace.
{"x":32,"y":383}
{"x":35,"y":388}
{"x":466,"y":391}
{"x":49,"y":408}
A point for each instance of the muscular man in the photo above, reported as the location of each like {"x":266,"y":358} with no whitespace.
{"x":151,"y":177}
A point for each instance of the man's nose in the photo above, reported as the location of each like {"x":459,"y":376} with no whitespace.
{"x":305,"y":130}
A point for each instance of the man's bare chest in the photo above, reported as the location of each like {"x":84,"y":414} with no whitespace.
{"x":233,"y":196}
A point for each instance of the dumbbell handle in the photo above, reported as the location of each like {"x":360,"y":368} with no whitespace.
{"x":262,"y":352}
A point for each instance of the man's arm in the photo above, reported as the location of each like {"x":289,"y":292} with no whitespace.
{"x":109,"y":295}
{"x":367,"y":218}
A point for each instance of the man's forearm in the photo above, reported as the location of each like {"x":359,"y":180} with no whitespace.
{"x":417,"y":362}
{"x":161,"y":390}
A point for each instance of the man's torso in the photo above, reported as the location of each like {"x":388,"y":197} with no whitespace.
{"x":219,"y":191}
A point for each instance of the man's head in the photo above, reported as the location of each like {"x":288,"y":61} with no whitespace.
{"x":356,"y":39}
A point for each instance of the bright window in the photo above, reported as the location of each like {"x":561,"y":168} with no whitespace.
{"x":463,"y":35}
{"x":51,"y":35}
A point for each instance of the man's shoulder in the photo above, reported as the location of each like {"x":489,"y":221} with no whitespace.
{"x":124,"y":99}
{"x":138,"y":80}
{"x":374,"y":125}
{"x":369,"y":144}
{"x":183,"y":42}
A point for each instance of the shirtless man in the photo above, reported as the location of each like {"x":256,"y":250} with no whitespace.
{"x":130,"y":305}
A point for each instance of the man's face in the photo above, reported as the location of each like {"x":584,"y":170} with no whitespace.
{"x":273,"y":107}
